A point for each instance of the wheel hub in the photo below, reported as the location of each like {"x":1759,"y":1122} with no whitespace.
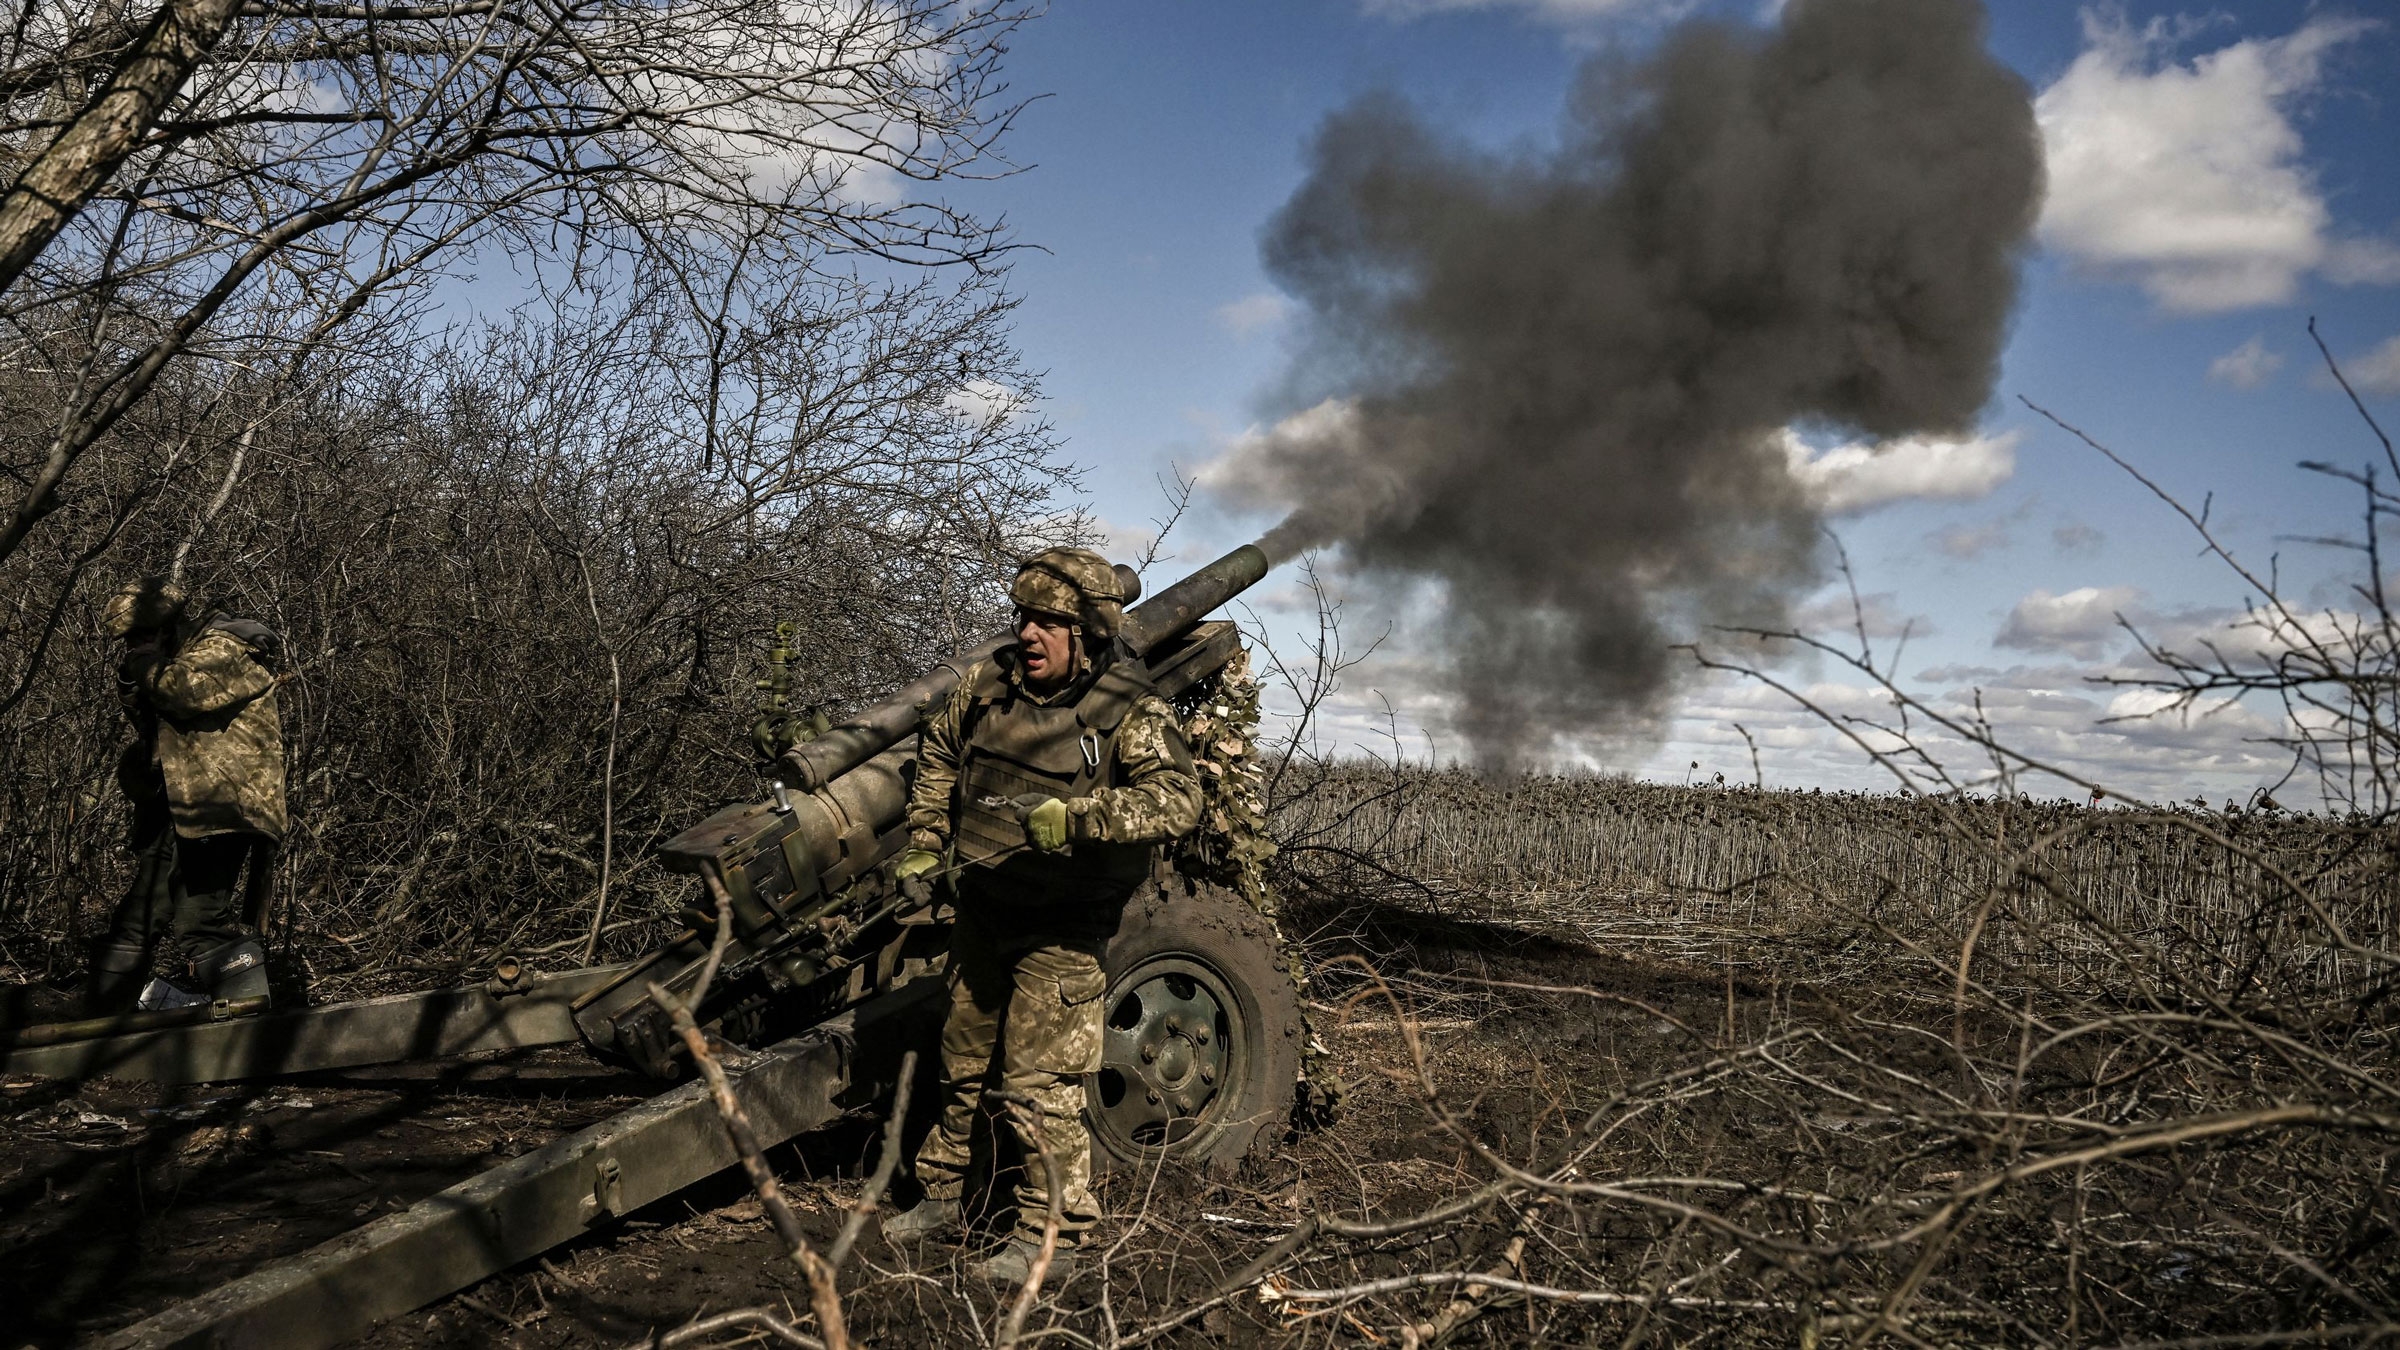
{"x":1165,"y":1054}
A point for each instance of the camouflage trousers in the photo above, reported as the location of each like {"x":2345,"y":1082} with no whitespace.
{"x":1025,"y":1009}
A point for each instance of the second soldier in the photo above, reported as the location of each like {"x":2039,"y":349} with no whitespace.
{"x":205,"y":781}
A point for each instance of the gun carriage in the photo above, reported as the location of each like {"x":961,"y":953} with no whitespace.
{"x":829,"y":978}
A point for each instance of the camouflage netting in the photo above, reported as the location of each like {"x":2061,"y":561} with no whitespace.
{"x":1232,"y":846}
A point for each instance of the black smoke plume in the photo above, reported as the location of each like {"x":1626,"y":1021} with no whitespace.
{"x":1556,"y":382}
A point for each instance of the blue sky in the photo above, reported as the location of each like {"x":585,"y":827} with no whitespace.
{"x":2219,"y":174}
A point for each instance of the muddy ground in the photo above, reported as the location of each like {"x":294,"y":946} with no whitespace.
{"x":119,"y":1199}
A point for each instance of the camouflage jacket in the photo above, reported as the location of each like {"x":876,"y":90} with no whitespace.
{"x":208,"y":709}
{"x":1155,"y":796}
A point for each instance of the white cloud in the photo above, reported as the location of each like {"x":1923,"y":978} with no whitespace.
{"x":1844,"y":479}
{"x":2052,"y":713}
{"x":985,"y":403}
{"x":1253,"y":312}
{"x":2081,"y":623}
{"x":2363,"y":262}
{"x":1333,"y":421}
{"x":2377,"y":372}
{"x":1331,"y":428}
{"x":791,"y":130}
{"x":1856,"y":476}
{"x":1127,"y":543}
{"x":2248,"y":366}
{"x":2263,"y":636}
{"x":2188,"y":176}
{"x":2130,"y":703}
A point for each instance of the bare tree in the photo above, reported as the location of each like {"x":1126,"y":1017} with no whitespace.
{"x":238,"y":184}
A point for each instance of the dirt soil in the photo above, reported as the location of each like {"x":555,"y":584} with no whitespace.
{"x":117,"y":1200}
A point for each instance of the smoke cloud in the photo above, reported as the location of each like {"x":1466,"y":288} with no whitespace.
{"x":1556,"y":385}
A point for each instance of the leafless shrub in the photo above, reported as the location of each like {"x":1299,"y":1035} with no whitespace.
{"x":526,"y":582}
{"x":522,"y":572}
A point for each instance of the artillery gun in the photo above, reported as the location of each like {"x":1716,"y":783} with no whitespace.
{"x":829,"y":977}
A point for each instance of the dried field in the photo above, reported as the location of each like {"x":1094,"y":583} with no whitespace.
{"x":1627,"y":1065}
{"x":1790,"y":880}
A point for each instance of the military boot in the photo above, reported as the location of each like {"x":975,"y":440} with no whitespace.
{"x":928,"y":1220}
{"x":1013,"y":1264}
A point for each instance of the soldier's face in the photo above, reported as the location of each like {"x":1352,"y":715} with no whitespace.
{"x":1049,"y":648}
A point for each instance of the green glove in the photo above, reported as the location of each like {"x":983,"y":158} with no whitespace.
{"x":1045,"y":824}
{"x":914,"y":863}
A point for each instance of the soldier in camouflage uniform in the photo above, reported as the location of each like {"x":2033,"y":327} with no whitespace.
{"x":205,"y":780}
{"x":1050,"y":776}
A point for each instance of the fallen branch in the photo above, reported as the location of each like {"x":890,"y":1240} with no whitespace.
{"x":1484,"y":1279}
{"x":1477,"y":1296}
{"x":823,"y":1296}
{"x":752,"y":1320}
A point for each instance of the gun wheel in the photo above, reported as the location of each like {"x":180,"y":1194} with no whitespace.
{"x":1201,"y":1044}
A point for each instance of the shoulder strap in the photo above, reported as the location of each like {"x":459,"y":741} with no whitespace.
{"x":1112,"y":696}
{"x":985,"y":685}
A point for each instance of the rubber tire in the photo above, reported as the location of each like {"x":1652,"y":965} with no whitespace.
{"x":1177,"y":918}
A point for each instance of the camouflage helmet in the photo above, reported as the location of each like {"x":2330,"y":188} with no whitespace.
{"x":138,"y":605}
{"x":1074,"y":584}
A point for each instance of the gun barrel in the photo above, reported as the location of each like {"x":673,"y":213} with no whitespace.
{"x":1188,"y":601}
{"x":889,"y":720}
{"x":880,"y":725}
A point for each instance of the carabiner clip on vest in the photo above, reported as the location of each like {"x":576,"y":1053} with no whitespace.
{"x":1090,"y":741}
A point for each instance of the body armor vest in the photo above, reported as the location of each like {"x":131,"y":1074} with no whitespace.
{"x":1014,"y":747}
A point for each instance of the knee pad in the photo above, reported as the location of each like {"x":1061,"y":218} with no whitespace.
{"x":233,"y":970}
